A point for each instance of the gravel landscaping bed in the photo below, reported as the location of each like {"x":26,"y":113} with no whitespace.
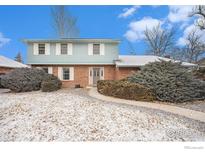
{"x":72,"y":115}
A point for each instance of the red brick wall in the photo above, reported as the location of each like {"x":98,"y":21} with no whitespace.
{"x":124,"y":72}
{"x":81,"y":73}
{"x":4,"y":70}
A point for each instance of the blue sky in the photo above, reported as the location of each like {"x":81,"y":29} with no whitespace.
{"x":123,"y":22}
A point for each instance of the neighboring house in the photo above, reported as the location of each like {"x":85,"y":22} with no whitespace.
{"x":83,"y":61}
{"x":201,"y":62}
{"x":7,"y":65}
{"x":138,"y":61}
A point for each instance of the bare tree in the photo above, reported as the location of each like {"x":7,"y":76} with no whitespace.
{"x":64,"y":23}
{"x":194,"y":47}
{"x":199,"y":10}
{"x":18,"y":57}
{"x":159,"y":41}
{"x":177,"y":53}
{"x":131,"y":49}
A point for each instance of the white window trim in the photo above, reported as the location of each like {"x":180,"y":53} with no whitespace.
{"x":58,"y":49}
{"x":90,"y":49}
{"x":102,"y":76}
{"x":69,"y":49}
{"x":91,"y":74}
{"x":47,"y":48}
{"x":102,"y":49}
{"x":50,"y":70}
{"x":35,"y":49}
{"x":71,"y":73}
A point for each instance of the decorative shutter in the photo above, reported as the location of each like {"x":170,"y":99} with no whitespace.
{"x":47,"y":49}
{"x":58,"y":48}
{"x":60,"y":73}
{"x":70,"y":49}
{"x":71,"y":73}
{"x":102,"y":49}
{"x":90,"y":49}
{"x":35,"y":48}
{"x":50,"y":70}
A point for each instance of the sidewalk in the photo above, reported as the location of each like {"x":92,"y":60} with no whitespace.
{"x":196,"y":115}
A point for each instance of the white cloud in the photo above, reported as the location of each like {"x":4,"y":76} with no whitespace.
{"x":128,"y":11}
{"x":182,"y":40}
{"x":3,"y":40}
{"x":179,"y":13}
{"x":137,"y":28}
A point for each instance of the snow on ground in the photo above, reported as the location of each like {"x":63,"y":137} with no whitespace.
{"x":71,"y":115}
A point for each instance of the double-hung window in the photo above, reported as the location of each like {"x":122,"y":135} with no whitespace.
{"x":96,"y":49}
{"x":66,"y":73}
{"x":41,"y":49}
{"x":64,"y":49}
{"x":45,"y":69}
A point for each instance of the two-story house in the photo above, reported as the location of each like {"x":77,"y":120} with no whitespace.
{"x":84,"y":61}
{"x":76,"y":61}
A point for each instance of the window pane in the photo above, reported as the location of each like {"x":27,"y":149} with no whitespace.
{"x":41,"y":49}
{"x":66,"y":73}
{"x":101,"y":72}
{"x":64,"y":48}
{"x":45,"y":69}
{"x":96,"y":49}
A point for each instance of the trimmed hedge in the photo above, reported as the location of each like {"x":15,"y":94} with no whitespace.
{"x":124,"y":89}
{"x":51,"y":83}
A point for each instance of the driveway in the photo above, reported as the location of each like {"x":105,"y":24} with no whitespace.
{"x":72,"y":115}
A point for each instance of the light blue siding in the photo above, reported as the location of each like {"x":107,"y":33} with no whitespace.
{"x":79,"y":56}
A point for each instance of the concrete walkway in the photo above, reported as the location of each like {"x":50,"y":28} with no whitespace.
{"x":4,"y":90}
{"x":196,"y":115}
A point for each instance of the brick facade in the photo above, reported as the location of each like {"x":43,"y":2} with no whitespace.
{"x":81,"y":73}
{"x":4,"y":70}
{"x":124,"y":72}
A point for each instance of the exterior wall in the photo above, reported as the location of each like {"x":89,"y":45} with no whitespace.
{"x":202,"y":63}
{"x":4,"y":70}
{"x":124,"y":72}
{"x":81,"y":73}
{"x":79,"y":55}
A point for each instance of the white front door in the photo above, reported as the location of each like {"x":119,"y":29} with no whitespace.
{"x":95,"y":74}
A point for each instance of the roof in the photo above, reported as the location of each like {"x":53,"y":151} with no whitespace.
{"x":137,"y":61}
{"x":6,"y":62}
{"x":104,"y":40}
{"x":201,"y":61}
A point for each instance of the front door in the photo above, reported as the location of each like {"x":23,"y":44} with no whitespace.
{"x":96,"y":75}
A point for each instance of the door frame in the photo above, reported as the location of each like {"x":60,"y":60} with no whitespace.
{"x":90,"y":74}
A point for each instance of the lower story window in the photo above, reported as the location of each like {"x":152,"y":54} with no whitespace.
{"x":66,"y":73}
{"x":45,"y":69}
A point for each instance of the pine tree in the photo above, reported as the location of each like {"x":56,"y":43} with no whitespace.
{"x":18,"y":58}
{"x":170,"y":82}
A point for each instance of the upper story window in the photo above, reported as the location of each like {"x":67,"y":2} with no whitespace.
{"x":64,"y":49}
{"x":66,"y":73}
{"x":41,"y":49}
{"x":96,"y":49}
